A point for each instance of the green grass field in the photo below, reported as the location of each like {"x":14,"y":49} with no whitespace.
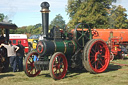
{"x":114,"y":75}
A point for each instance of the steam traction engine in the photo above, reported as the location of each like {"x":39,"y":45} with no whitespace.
{"x":4,"y":29}
{"x":59,"y":53}
{"x":117,"y":41}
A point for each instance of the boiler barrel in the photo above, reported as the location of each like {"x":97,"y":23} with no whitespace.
{"x":49,"y":47}
{"x":67,"y":47}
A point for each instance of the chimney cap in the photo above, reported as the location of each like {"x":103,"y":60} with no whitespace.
{"x":45,"y":5}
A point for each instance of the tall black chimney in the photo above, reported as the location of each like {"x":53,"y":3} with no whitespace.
{"x":45,"y":18}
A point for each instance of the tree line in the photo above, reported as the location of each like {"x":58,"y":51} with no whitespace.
{"x":35,"y":29}
{"x":97,"y":13}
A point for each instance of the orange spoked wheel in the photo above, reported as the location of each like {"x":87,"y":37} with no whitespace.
{"x":96,"y":56}
{"x":29,"y":67}
{"x":58,"y":66}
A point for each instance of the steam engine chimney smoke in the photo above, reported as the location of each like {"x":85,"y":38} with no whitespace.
{"x":45,"y":17}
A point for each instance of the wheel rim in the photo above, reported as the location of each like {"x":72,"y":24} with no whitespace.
{"x":59,"y":66}
{"x":30,"y":68}
{"x":99,"y":56}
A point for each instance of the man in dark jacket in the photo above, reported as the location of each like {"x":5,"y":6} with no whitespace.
{"x":20,"y":55}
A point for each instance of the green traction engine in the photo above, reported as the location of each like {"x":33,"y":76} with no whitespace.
{"x":60,"y":51}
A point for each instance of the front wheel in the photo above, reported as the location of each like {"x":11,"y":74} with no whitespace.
{"x":58,"y":66}
{"x":96,"y":56}
{"x":29,"y":67}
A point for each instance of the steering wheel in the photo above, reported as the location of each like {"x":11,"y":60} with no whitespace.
{"x":81,"y":34}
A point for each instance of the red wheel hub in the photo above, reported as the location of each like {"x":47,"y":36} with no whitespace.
{"x":97,"y":56}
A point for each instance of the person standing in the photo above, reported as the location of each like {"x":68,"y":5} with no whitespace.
{"x":20,"y":55}
{"x":11,"y":51}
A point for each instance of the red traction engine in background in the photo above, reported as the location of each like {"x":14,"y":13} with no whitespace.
{"x":116,"y":39}
{"x":59,"y":53}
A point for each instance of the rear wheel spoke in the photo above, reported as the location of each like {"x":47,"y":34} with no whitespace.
{"x":100,"y":63}
{"x":93,"y":62}
{"x":105,"y":57}
{"x":93,"y":50}
{"x":92,"y":53}
{"x":95,"y":65}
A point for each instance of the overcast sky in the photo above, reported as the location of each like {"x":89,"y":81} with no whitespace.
{"x":27,"y":12}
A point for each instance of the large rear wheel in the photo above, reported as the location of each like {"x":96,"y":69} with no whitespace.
{"x":96,"y":56}
{"x":29,"y":67}
{"x":85,"y":58}
{"x":58,"y":66}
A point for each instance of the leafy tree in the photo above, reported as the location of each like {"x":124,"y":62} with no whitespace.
{"x":1,"y":17}
{"x":21,"y":30}
{"x":92,"y":12}
{"x":73,"y":7}
{"x":58,"y":21}
{"x":37,"y":30}
{"x":12,"y":31}
{"x":29,"y":29}
{"x":4,"y":18}
{"x":37,"y":26}
{"x":118,"y":18}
